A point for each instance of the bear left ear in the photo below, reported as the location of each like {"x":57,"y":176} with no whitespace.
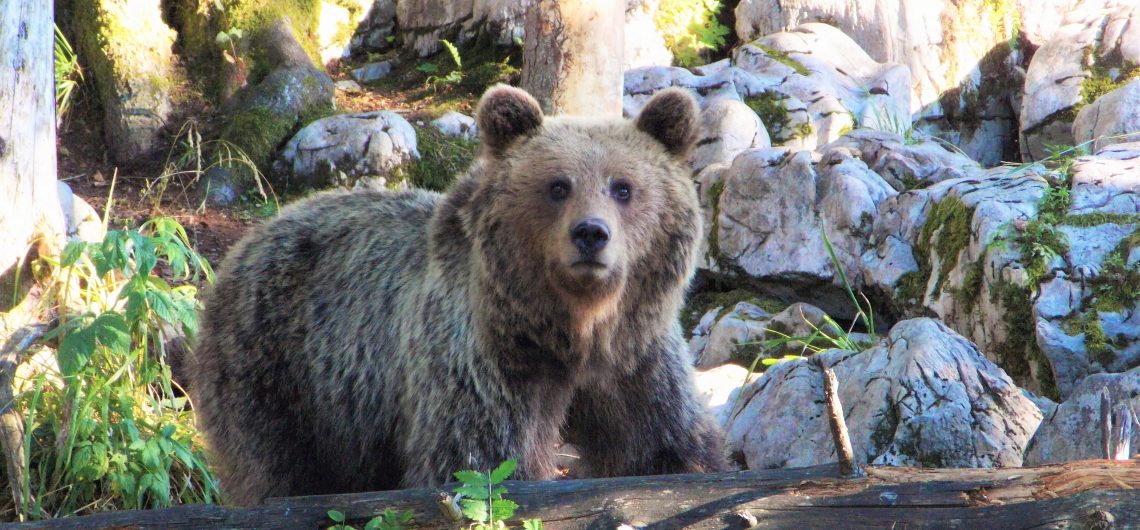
{"x":504,"y":114}
{"x":671,"y":116}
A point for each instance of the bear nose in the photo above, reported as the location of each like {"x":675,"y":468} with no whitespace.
{"x":590,"y":236}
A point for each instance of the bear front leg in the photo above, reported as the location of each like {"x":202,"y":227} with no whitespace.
{"x":648,"y":422}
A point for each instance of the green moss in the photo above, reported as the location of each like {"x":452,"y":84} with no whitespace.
{"x":258,"y":132}
{"x":315,"y":111}
{"x":769,"y":106}
{"x":1020,"y":347}
{"x":785,"y":59}
{"x":715,"y":192}
{"x":1100,"y":80}
{"x":1096,"y":343}
{"x":971,"y":290}
{"x":1038,"y":244}
{"x":1054,"y":207}
{"x":1117,"y":287}
{"x":1099,"y":218}
{"x":125,"y":52}
{"x":703,"y":302}
{"x":442,"y":159}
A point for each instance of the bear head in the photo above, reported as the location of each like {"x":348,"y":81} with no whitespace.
{"x":574,"y":212}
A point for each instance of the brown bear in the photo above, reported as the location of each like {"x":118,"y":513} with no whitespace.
{"x":374,"y":340}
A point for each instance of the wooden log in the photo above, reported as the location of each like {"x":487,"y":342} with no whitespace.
{"x":842,"y":440}
{"x":1105,"y":424}
{"x":1074,"y":495}
{"x":1121,"y":432}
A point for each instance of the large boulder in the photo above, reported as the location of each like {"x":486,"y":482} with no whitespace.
{"x":1113,"y":118}
{"x":963,"y":69}
{"x":1095,"y":51}
{"x":344,"y":148}
{"x":924,"y":396}
{"x":127,"y":48}
{"x":1073,"y":430}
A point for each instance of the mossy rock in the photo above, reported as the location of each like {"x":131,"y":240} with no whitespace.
{"x":442,"y":160}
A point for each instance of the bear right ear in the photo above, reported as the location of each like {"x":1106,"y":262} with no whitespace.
{"x":504,"y":114}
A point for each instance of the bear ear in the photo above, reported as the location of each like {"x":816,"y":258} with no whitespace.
{"x":671,"y":116}
{"x":504,"y":114}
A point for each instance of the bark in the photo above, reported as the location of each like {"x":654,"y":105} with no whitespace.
{"x":572,"y":56}
{"x":1076,"y":495}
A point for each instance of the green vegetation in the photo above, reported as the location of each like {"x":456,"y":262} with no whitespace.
{"x":715,"y":191}
{"x":690,"y":28}
{"x":1038,"y":243}
{"x":111,"y":430}
{"x":258,"y":132}
{"x":1020,"y":347}
{"x":389,"y":520}
{"x":68,"y":74}
{"x":947,"y":232}
{"x":188,"y":160}
{"x":1117,"y":287}
{"x":1096,"y":343}
{"x":705,"y":301}
{"x":785,"y":59}
{"x":769,"y":106}
{"x":442,"y":159}
{"x":1100,"y":80}
{"x":480,"y":497}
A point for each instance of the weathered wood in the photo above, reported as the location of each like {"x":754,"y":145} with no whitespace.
{"x":842,"y":440}
{"x":572,"y":56}
{"x":1072,"y":495}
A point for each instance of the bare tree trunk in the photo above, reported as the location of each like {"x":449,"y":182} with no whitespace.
{"x":29,"y":200}
{"x":572,"y":56}
{"x":30,"y":212}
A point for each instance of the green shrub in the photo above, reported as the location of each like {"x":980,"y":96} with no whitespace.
{"x":690,"y":28}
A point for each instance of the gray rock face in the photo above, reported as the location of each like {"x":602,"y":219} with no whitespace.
{"x":1073,"y":430}
{"x":924,"y":396}
{"x":1095,"y":33}
{"x":744,"y":324}
{"x":727,"y":128}
{"x":1113,"y":118}
{"x":718,"y":389}
{"x":355,"y":145}
{"x":372,"y":71}
{"x":809,"y":85}
{"x":953,"y":51}
{"x":743,"y":333}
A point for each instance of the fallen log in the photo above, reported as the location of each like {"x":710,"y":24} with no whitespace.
{"x":1087,"y":494}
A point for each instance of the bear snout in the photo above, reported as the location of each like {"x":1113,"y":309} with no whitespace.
{"x":590,"y":236}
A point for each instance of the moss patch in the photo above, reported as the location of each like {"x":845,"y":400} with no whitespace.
{"x":1117,"y":287}
{"x":1100,"y":218}
{"x":442,"y":159}
{"x":259,"y":132}
{"x":1038,"y":244}
{"x":949,"y":222}
{"x":785,"y":59}
{"x":715,"y":191}
{"x":971,"y":290}
{"x":1020,"y":347}
{"x":1101,"y":79}
{"x":769,"y":106}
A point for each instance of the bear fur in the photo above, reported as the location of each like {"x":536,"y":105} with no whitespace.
{"x":374,"y":340}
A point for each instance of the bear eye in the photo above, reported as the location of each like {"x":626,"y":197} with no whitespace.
{"x":621,"y":191}
{"x":559,"y":190}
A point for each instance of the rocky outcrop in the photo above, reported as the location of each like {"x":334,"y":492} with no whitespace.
{"x":342,"y":149}
{"x":962,"y":66}
{"x":1087,"y":57}
{"x":1073,"y":431}
{"x":807,"y":86}
{"x":127,"y":48}
{"x":1113,"y":118}
{"x":924,"y":396}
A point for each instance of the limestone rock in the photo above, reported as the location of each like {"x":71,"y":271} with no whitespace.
{"x":1073,"y":430}
{"x":727,"y":128}
{"x":355,"y":145}
{"x":1113,"y":118}
{"x":456,"y":125}
{"x":733,"y":332}
{"x":924,"y":396}
{"x":372,"y":71}
{"x":718,"y":389}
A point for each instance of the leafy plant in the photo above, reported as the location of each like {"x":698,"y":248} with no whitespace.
{"x":454,"y":77}
{"x":389,"y":520}
{"x":690,"y":28}
{"x":481,"y":498}
{"x":228,"y":41}
{"x":108,"y":430}
{"x":68,"y":74}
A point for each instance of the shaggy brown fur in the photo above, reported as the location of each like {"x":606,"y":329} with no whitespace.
{"x":370,"y":340}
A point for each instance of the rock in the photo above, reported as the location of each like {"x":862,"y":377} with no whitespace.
{"x":348,"y":85}
{"x":800,"y":320}
{"x":735,"y":335}
{"x":1113,"y":118}
{"x":355,"y":145}
{"x":1073,"y":430}
{"x":906,"y":165}
{"x":923,"y":397}
{"x":81,"y":220}
{"x":372,"y":71}
{"x":1067,"y":355}
{"x":336,"y":23}
{"x":728,"y":127}
{"x":422,"y":23}
{"x":376,"y":30}
{"x":771,"y":208}
{"x":719,"y":387}
{"x":1073,"y":68}
{"x":964,"y":75}
{"x":700,"y":334}
{"x":220,"y":187}
{"x":262,"y":116}
{"x":808,"y":86}
{"x":126,"y":47}
{"x":456,"y":125}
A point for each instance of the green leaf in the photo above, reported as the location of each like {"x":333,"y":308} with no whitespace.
{"x":503,"y":509}
{"x":473,"y":491}
{"x":75,"y":351}
{"x":222,"y":39}
{"x":427,"y":68}
{"x":72,"y":252}
{"x":504,"y":470}
{"x":474,"y":509}
{"x":336,"y":516}
{"x":113,"y":332}
{"x":532,"y":524}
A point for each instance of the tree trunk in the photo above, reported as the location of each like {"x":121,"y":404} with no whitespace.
{"x":572,"y":56}
{"x":1085,"y":494}
{"x":29,"y":200}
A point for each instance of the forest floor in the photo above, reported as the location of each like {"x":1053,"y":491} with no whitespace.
{"x":84,"y":162}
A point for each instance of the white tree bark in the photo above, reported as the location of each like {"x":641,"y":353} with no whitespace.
{"x":29,"y":200}
{"x":572,"y":56}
